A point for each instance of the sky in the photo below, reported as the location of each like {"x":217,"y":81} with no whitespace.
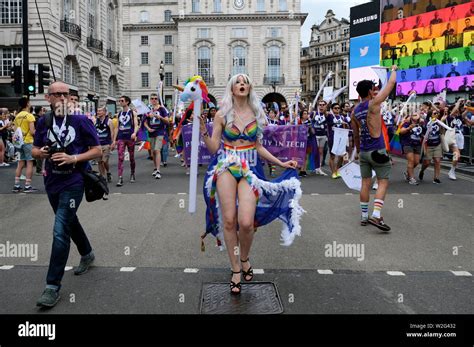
{"x":317,"y":9}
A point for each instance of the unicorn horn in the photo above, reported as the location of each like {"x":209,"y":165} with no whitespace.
{"x":181,"y":89}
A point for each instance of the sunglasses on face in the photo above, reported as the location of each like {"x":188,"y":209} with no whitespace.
{"x":59,"y":94}
{"x":153,"y":98}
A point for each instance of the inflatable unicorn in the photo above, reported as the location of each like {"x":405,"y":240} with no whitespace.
{"x":195,"y":89}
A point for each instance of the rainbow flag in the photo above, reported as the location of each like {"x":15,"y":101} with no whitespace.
{"x":395,"y":144}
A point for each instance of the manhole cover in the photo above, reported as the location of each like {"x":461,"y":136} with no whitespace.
{"x":255,"y":298}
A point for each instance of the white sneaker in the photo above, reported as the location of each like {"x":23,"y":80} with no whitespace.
{"x":375,"y":186}
{"x":452,"y":175}
{"x":321,"y":172}
{"x":4,"y":164}
{"x":22,"y":177}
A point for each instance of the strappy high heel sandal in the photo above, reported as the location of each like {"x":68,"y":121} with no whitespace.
{"x":234,"y":285}
{"x":248,"y":273}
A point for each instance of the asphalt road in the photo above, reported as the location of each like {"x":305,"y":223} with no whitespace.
{"x":144,"y":227}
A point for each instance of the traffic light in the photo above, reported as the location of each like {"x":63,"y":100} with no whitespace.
{"x":31,"y":83}
{"x":15,"y":74}
{"x":43,"y":77}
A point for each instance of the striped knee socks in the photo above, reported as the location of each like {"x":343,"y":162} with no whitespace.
{"x":378,"y":205}
{"x":364,"y":206}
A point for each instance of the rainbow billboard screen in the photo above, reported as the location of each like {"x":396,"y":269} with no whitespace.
{"x":431,"y":41}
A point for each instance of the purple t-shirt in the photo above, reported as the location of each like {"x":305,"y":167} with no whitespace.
{"x":455,"y":123}
{"x":434,"y":137}
{"x":320,"y":124}
{"x":157,"y":124}
{"x":103,"y":131}
{"x":367,"y":142}
{"x":126,"y":125}
{"x":334,"y":121}
{"x":413,"y":137}
{"x":77,"y":137}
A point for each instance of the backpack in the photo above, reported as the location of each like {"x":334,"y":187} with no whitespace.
{"x":17,"y":137}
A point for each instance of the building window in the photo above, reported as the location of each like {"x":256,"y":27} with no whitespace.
{"x":110,"y":28}
{"x":168,"y":79}
{"x":144,"y":17}
{"x":195,"y":6}
{"x":330,"y":49}
{"x":11,"y":11}
{"x":91,"y":18}
{"x":168,"y":40}
{"x":317,"y":52}
{"x":239,"y":60}
{"x":68,"y":12}
{"x":316,"y":84}
{"x":204,"y":63}
{"x":8,"y":59}
{"x":113,"y":87}
{"x":145,"y":80}
{"x":344,"y":47}
{"x":346,"y":32}
{"x":203,"y":33}
{"x":332,"y":35}
{"x":217,"y":5}
{"x":145,"y":58}
{"x":167,"y":16}
{"x":331,"y":82}
{"x":274,"y":32}
{"x":94,"y":80}
{"x":261,"y":5}
{"x":273,"y":64}
{"x":144,"y":40}
{"x":239,"y":32}
{"x":169,"y":58}
{"x":71,"y":72}
{"x":283,"y":6}
{"x":343,"y":80}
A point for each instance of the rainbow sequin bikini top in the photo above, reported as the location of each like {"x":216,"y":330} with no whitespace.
{"x":233,"y":133}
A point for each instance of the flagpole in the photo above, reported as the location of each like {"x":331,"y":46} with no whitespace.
{"x":322,"y":87}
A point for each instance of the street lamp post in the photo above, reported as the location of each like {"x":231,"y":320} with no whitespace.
{"x":162,"y":77}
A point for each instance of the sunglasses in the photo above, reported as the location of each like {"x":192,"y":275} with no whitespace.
{"x":322,"y":105}
{"x":59,"y":94}
{"x":153,"y":98}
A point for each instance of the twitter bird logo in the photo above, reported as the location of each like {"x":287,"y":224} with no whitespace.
{"x":364,"y":51}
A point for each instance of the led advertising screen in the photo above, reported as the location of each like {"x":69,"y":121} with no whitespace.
{"x":431,"y":41}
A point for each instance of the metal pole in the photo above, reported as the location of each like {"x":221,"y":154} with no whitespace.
{"x":26,"y":59}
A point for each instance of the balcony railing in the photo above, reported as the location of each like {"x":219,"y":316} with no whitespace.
{"x":95,"y":44}
{"x":113,"y":55}
{"x":273,"y":80}
{"x":70,"y":28}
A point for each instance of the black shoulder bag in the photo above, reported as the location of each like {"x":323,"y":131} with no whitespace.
{"x":95,"y":186}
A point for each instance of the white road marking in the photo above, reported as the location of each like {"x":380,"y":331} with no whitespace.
{"x":349,"y":194}
{"x":448,"y":194}
{"x":395,"y":273}
{"x":462,"y":273}
{"x":68,"y":268}
{"x":415,"y":193}
{"x":258,"y":271}
{"x":182,"y":193}
{"x":6,"y":267}
{"x":325,"y":272}
{"x":191,"y":271}
{"x":117,"y":194}
{"x":150,"y":193}
{"x":127,"y":269}
{"x":315,"y":194}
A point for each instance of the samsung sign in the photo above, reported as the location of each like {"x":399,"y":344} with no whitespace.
{"x":365,"y":19}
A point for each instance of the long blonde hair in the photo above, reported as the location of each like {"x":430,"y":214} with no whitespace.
{"x":227,"y":104}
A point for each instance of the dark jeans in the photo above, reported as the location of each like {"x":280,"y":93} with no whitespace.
{"x":66,"y":226}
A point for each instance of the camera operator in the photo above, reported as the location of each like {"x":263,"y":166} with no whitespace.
{"x":64,"y":183}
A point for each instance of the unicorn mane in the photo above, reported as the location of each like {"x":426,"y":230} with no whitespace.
{"x":202,"y":85}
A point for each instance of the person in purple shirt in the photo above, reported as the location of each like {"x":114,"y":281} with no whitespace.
{"x":125,"y":137}
{"x":335,"y":120}
{"x":321,"y":127}
{"x":105,"y":131}
{"x":433,"y":150}
{"x":157,"y":125}
{"x":369,"y":141}
{"x":411,"y":135}
{"x":64,"y":184}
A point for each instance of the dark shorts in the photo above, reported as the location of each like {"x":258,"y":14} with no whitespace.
{"x":412,"y":149}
